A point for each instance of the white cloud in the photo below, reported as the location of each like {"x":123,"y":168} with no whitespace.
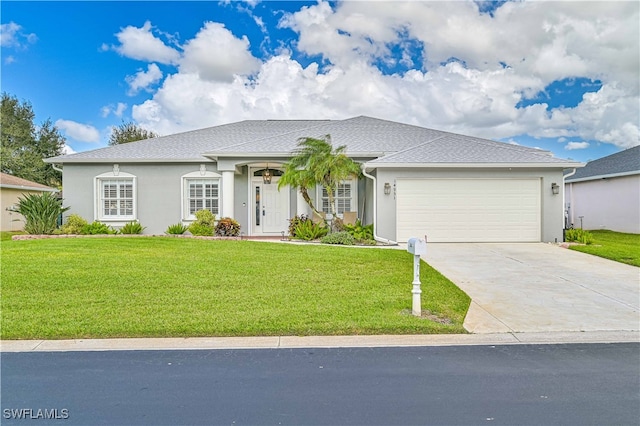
{"x":576,"y":145}
{"x":116,"y":110}
{"x":142,"y":44}
{"x":216,"y":54}
{"x":11,"y":35}
{"x":67,"y":150}
{"x":8,"y":33}
{"x":539,"y":44}
{"x":78,"y":131}
{"x":120,"y":108}
{"x":251,"y":3}
{"x":143,"y":79}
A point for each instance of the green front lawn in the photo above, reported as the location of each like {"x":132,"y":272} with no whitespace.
{"x":6,"y":235}
{"x":161,"y":287}
{"x":616,"y":246}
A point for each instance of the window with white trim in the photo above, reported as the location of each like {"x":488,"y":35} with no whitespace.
{"x":115,"y":197}
{"x":345,"y":197}
{"x":202,"y":194}
{"x":200,"y":191}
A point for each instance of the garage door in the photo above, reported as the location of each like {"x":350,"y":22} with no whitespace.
{"x":468,"y":210}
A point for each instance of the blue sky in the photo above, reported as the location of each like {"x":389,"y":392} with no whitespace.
{"x":561,"y":76}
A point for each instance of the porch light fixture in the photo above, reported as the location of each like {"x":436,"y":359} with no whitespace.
{"x":387,"y":188}
{"x":555,"y":188}
{"x":266,"y":176}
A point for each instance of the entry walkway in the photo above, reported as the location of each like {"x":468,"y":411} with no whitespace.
{"x":540,"y":287}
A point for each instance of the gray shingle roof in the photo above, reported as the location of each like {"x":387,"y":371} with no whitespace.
{"x":623,"y":162}
{"x":384,"y":142}
{"x":359,"y":134}
{"x":188,"y":146}
{"x":458,"y":149}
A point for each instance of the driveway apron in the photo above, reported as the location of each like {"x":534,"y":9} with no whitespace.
{"x":539,"y":287}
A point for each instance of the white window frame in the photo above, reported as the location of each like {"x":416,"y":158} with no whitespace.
{"x":353,"y":198}
{"x":98,"y":197}
{"x":187,"y":216}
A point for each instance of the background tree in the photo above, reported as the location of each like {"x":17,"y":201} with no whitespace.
{"x":316,"y":162}
{"x":129,"y":132}
{"x":24,"y":146}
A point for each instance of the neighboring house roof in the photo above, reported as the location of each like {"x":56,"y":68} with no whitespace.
{"x":386,"y":143}
{"x":623,"y":163}
{"x":13,"y":182}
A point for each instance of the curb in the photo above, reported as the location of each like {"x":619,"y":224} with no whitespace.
{"x":299,"y":342}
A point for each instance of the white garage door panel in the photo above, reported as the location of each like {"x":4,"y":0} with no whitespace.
{"x":468,"y":210}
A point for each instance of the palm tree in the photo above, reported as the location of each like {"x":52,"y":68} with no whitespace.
{"x":299,"y":178}
{"x":317,"y":162}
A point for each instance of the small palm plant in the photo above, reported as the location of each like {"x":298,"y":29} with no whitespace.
{"x":177,"y":229}
{"x":41,"y":212}
{"x":132,"y":228}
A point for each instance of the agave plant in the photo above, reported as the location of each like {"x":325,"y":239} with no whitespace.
{"x":132,"y":228}
{"x":41,"y":212}
{"x":177,"y":229}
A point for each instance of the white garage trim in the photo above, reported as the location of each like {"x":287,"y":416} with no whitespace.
{"x":469,"y":210}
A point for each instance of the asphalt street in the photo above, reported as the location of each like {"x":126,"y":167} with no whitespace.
{"x":455,"y":385}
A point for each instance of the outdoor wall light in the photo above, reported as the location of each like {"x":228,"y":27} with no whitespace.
{"x":387,"y":188}
{"x":555,"y":188}
{"x":266,"y":176}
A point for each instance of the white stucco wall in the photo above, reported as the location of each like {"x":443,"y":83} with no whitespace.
{"x":159,"y":200}
{"x":612,"y":203}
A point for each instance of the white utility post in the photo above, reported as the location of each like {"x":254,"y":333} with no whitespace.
{"x":417,"y":247}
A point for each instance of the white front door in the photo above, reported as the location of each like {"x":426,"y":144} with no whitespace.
{"x":271,"y":207}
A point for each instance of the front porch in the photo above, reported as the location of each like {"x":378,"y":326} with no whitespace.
{"x":250,"y":194}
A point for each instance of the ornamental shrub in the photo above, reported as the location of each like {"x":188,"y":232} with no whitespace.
{"x":41,"y":212}
{"x":227,"y":227}
{"x":204,"y":223}
{"x":308,"y":230}
{"x":132,"y":228}
{"x":295,"y":221}
{"x":579,"y":236}
{"x":361,"y":233}
{"x":342,"y":237}
{"x":74,"y":225}
{"x":97,"y":228}
{"x":199,"y":229}
{"x":176,"y":229}
{"x":205,"y":217}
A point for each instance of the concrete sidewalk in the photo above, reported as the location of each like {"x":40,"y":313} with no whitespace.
{"x":292,"y":342}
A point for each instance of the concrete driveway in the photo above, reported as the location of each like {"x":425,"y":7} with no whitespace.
{"x":539,"y":287}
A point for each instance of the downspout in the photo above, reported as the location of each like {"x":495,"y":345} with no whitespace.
{"x":56,"y":168}
{"x":375,"y":210}
{"x":564,"y":202}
